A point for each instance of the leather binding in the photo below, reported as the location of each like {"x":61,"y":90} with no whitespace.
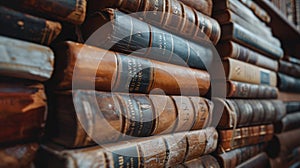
{"x":241,"y":113}
{"x":294,"y":60}
{"x":143,"y":40}
{"x":236,"y":33}
{"x":21,"y":155}
{"x":238,"y":156}
{"x":288,"y":84}
{"x":203,"y":6}
{"x":292,"y":107}
{"x":117,"y":72}
{"x":283,"y":143}
{"x":171,"y":15}
{"x":26,"y":27}
{"x":289,"y":68}
{"x":246,"y":90}
{"x":257,"y":10}
{"x":122,"y":114}
{"x":288,"y":96}
{"x":289,"y":122}
{"x":261,"y":160}
{"x":283,"y":160}
{"x":63,"y":10}
{"x":241,"y":137}
{"x":204,"y":161}
{"x":27,"y":60}
{"x":227,"y":16}
{"x":22,"y":110}
{"x":237,"y":51}
{"x":159,"y":151}
{"x":243,"y":72}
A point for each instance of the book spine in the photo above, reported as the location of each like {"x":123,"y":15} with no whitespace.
{"x":289,"y":68}
{"x":173,"y":16}
{"x":288,"y":84}
{"x":203,"y":6}
{"x":241,"y":137}
{"x":241,"y":35}
{"x":257,"y":10}
{"x":250,"y":112}
{"x":294,"y":60}
{"x":204,"y":161}
{"x":130,"y":115}
{"x":289,"y":122}
{"x":243,"y":72}
{"x":26,"y":27}
{"x":261,"y":160}
{"x":69,"y":11}
{"x":22,"y":59}
{"x":246,"y":90}
{"x":144,"y":40}
{"x":134,"y":74}
{"x":292,"y":107}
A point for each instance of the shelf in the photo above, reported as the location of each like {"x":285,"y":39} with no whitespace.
{"x":283,"y":29}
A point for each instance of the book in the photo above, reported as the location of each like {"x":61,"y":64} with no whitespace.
{"x":288,"y":83}
{"x":292,"y":106}
{"x":26,"y":27}
{"x":241,"y":113}
{"x":285,"y":96}
{"x":143,"y":40}
{"x":203,"y":6}
{"x":239,"y":34}
{"x":237,"y":51}
{"x":260,"y":160}
{"x":25,"y":60}
{"x":289,"y":68}
{"x":238,"y":156}
{"x":244,"y":72}
{"x":289,"y":122}
{"x":85,"y":66}
{"x":257,"y":10}
{"x":64,"y":10}
{"x":122,"y":114}
{"x":203,"y":161}
{"x":19,"y":155}
{"x":23,"y":110}
{"x":246,"y":90}
{"x":160,"y":151}
{"x":246,"y":136}
{"x":171,"y":15}
{"x":293,"y":60}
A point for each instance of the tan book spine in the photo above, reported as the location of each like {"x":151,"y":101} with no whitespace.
{"x":203,"y":6}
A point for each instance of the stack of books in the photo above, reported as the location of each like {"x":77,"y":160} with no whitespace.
{"x":250,"y":53}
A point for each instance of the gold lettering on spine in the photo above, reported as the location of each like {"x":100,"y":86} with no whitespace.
{"x":135,"y":75}
{"x":131,"y":116}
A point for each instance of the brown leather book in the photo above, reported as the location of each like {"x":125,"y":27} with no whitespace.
{"x":237,"y":156}
{"x":64,"y":10}
{"x":243,"y":72}
{"x":27,"y":60}
{"x":26,"y":27}
{"x":289,"y":68}
{"x":285,"y":96}
{"x":257,"y":10}
{"x":171,"y":15}
{"x":111,"y":71}
{"x":158,"y":151}
{"x":122,"y":114}
{"x":18,"y":155}
{"x":241,"y":137}
{"x":239,"y":52}
{"x":246,"y":90}
{"x":261,"y":160}
{"x":289,"y":122}
{"x":203,"y":6}
{"x":235,"y":32}
{"x":204,"y":161}
{"x":22,"y":110}
{"x":241,"y":113}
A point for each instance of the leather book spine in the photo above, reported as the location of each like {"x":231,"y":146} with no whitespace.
{"x":289,"y":122}
{"x":246,"y":90}
{"x":243,"y":72}
{"x":203,"y":6}
{"x":204,"y":161}
{"x":117,"y":72}
{"x":288,"y":84}
{"x":294,"y":60}
{"x":143,"y":40}
{"x":261,"y":160}
{"x":257,"y":10}
{"x":25,"y":60}
{"x":171,"y":15}
{"x":236,"y":157}
{"x":23,"y":110}
{"x":292,"y":107}
{"x":26,"y":27}
{"x":289,"y":68}
{"x":69,"y":11}
{"x":237,"y":33}
{"x":21,"y":155}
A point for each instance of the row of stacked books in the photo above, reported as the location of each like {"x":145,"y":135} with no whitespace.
{"x":133,"y":85}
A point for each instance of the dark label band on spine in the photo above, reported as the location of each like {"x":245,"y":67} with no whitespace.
{"x":126,"y":158}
